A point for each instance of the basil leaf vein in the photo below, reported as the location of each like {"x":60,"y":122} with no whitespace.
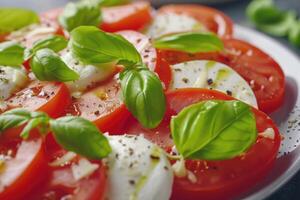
{"x":54,"y":42}
{"x":16,"y":18}
{"x":143,"y":95}
{"x":93,"y":46}
{"x":201,"y":132}
{"x":48,"y":66}
{"x":191,"y":42}
{"x":11,"y":54}
{"x":80,"y":136}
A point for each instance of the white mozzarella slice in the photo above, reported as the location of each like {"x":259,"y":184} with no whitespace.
{"x":212,"y":75}
{"x":11,"y":80}
{"x":32,"y":33}
{"x":166,"y":23}
{"x":138,"y":169}
{"x":89,"y":74}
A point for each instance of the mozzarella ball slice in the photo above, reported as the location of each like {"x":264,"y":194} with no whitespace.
{"x":89,"y":74}
{"x":212,"y":75}
{"x":166,"y":23}
{"x":32,"y":33}
{"x":11,"y":80}
{"x":138,"y":169}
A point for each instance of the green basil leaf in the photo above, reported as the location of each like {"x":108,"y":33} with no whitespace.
{"x":15,"y":18}
{"x":280,"y":28}
{"x":48,"y":66}
{"x":38,"y":120}
{"x":11,"y":54}
{"x":112,"y":2}
{"x":93,"y":46}
{"x":13,"y":118}
{"x":143,"y":95}
{"x":294,"y":34}
{"x":19,"y":116}
{"x":191,"y":42}
{"x":268,"y":18}
{"x":80,"y":136}
{"x":214,"y":130}
{"x":80,"y":13}
{"x":54,"y":42}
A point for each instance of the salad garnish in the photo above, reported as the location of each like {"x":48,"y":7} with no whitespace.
{"x":54,"y":42}
{"x":80,"y":13}
{"x":72,"y":133}
{"x":191,"y":42}
{"x":48,"y":66}
{"x":143,"y":96}
{"x":16,"y":18}
{"x":11,"y":53}
{"x":267,"y":17}
{"x":200,"y":132}
{"x":93,"y":46}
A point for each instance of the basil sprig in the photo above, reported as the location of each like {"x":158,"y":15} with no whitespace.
{"x":143,"y":96}
{"x":93,"y":46}
{"x":267,"y":17}
{"x":80,"y":135}
{"x":112,"y":2}
{"x":11,"y":54}
{"x":18,"y":117}
{"x":214,"y":130}
{"x":294,"y":34}
{"x":48,"y":66}
{"x":72,"y":133}
{"x":15,"y":18}
{"x":54,"y":42}
{"x":85,"y":12}
{"x":191,"y":42}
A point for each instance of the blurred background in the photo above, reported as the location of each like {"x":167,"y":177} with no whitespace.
{"x":233,"y":8}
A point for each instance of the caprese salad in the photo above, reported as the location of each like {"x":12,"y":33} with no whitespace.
{"x":110,"y":99}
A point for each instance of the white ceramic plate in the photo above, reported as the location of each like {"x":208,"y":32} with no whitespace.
{"x":287,"y":117}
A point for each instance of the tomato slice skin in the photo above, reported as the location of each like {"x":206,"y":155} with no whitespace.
{"x":49,"y":97}
{"x":29,"y":162}
{"x":132,"y":16}
{"x":215,"y":179}
{"x":263,"y":73}
{"x":214,"y":20}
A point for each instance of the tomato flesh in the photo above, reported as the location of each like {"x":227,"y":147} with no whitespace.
{"x":21,"y":173}
{"x":49,"y":97}
{"x":132,"y":16}
{"x":215,"y":179}
{"x":103,"y":106}
{"x":262,"y":73}
{"x":211,"y":18}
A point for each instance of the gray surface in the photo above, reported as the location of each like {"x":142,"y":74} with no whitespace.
{"x":236,"y":11}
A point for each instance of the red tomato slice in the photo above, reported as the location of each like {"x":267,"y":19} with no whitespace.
{"x":132,"y":16}
{"x":211,"y":18}
{"x":24,"y":171}
{"x":215,"y":179}
{"x":49,"y":97}
{"x":62,"y":185}
{"x":103,"y":106}
{"x":150,"y":56}
{"x":262,"y":72}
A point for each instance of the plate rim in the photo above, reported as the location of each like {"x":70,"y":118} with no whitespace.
{"x":282,"y":179}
